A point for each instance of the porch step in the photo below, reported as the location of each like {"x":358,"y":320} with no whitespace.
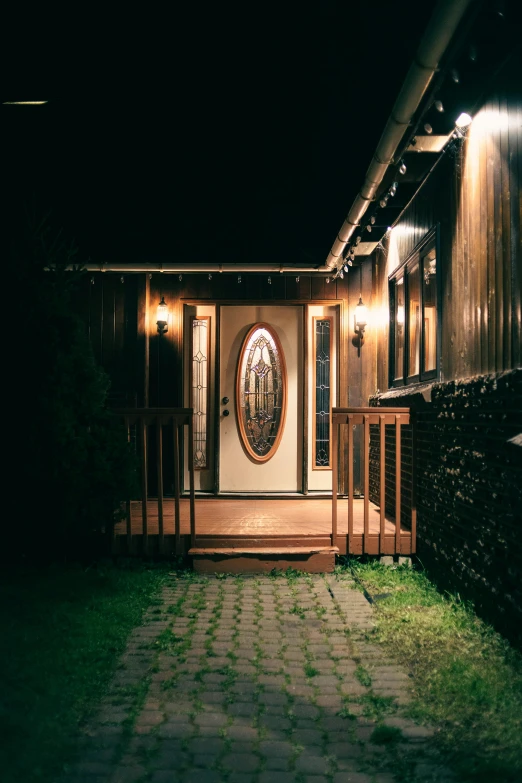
{"x":248,"y":560}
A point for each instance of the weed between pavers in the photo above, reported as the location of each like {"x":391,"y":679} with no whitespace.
{"x":363,"y":676}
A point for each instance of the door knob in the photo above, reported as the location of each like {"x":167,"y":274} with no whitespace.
{"x":225,"y":400}
{"x":226,"y":413}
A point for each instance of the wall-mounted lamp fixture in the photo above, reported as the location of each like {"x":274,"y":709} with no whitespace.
{"x":360,"y":318}
{"x":360,"y":321}
{"x":162,"y":317}
{"x":462,"y":123}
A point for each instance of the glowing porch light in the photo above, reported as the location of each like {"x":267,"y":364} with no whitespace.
{"x":360,"y":316}
{"x":162,"y":317}
{"x":464,"y":120}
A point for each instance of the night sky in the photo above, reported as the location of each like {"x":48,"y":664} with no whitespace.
{"x":249,"y":141}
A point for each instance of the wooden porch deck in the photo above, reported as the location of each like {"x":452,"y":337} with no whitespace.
{"x":245,"y":522}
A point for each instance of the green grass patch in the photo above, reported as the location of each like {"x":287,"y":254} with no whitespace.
{"x":63,"y":629}
{"x":385,"y":735}
{"x":467,"y":679}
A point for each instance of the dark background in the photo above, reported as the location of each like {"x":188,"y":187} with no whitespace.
{"x":241,"y":135}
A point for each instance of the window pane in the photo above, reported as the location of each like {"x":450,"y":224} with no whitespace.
{"x":199,"y":397}
{"x":322,"y":392}
{"x":429,"y":292}
{"x":261,"y":392}
{"x":414,"y":320}
{"x":399,"y":328}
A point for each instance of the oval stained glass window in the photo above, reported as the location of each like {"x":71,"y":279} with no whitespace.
{"x":261,"y":392}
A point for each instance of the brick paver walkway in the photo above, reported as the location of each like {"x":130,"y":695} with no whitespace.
{"x":256,"y":680}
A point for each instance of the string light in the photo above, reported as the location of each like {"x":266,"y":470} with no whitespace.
{"x":122,"y":279}
{"x":327,"y":279}
{"x":439,"y":106}
{"x":239,"y":278}
{"x":428,"y":128}
{"x":180,"y":278}
{"x":210,"y":276}
{"x":402,"y":168}
{"x":297,"y":279}
{"x":358,"y":239}
{"x":269,"y":280}
{"x":383,"y":202}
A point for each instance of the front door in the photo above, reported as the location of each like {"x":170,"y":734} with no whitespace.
{"x":247,"y":461}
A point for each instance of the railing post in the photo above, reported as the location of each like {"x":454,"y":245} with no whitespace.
{"x":413,"y":421}
{"x":128,"y":517}
{"x":144,"y":491}
{"x":177,"y":523}
{"x":350,"y":483}
{"x":382,"y":481}
{"x":335,"y":478}
{"x":159,"y":460}
{"x":191,"y":481}
{"x":366,"y":489}
{"x":398,"y":466}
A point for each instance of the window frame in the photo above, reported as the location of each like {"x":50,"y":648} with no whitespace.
{"x":415,"y":259}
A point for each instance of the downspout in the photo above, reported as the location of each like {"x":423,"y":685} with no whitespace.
{"x":441,"y":28}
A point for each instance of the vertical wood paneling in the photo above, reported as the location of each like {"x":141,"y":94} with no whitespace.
{"x":474,"y":197}
{"x":504,"y":231}
{"x":515,"y":169}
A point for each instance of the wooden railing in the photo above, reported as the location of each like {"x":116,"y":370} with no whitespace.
{"x":382,"y":417}
{"x":177,"y":418}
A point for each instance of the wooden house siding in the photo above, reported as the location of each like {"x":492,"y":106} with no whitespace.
{"x":473,"y":199}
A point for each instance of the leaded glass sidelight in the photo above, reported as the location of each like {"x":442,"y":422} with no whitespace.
{"x":261,"y":392}
{"x":199,"y":389}
{"x":322,"y":391}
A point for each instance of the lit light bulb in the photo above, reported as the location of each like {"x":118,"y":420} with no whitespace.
{"x":372,"y":220}
{"x":239,"y":278}
{"x":402,"y":168}
{"x":428,"y":128}
{"x":210,"y":277}
{"x":439,"y":106}
{"x":327,"y":279}
{"x":464,"y":120}
{"x":180,"y":278}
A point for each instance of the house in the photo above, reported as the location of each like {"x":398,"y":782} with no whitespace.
{"x":277,"y":361}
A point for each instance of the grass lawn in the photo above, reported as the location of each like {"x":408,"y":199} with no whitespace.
{"x":467,"y":678}
{"x":61,"y":632}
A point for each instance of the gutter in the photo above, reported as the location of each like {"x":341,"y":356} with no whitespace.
{"x":192,"y":268}
{"x":436,"y":39}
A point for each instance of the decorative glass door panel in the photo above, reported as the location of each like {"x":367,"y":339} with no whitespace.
{"x":261,"y":392}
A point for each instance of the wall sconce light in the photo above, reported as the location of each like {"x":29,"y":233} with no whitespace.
{"x":162,"y":317}
{"x":360,"y":321}
{"x":462,"y":124}
{"x":360,"y":318}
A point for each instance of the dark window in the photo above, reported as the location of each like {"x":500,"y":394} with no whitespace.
{"x":414,"y":317}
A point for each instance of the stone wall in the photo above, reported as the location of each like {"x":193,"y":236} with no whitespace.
{"x":469,"y":489}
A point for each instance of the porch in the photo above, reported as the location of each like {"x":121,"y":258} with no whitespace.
{"x":236,"y":523}
{"x":261,"y":533}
